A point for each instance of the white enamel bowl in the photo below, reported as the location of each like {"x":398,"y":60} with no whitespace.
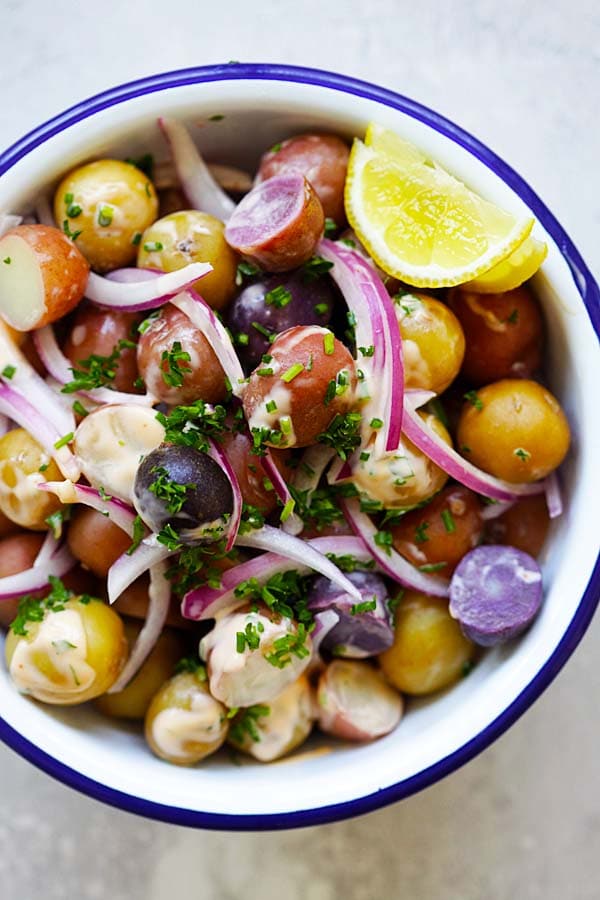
{"x":262,"y":104}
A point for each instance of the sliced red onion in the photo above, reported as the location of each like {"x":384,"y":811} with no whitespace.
{"x":20,"y":410}
{"x":293,"y":524}
{"x":197,"y":183}
{"x":4,"y":425}
{"x":496,"y":509}
{"x":8,"y":221}
{"x":159,"y":595}
{"x":451,"y":462}
{"x":115,"y":509}
{"x":149,"y":291}
{"x":206,"y":602}
{"x":553,"y":496}
{"x":388,"y":560}
{"x":324,"y":622}
{"x":220,"y":458}
{"x":60,"y":368}
{"x":51,"y":560}
{"x":274,"y":539}
{"x":376,"y":326}
{"x":26,"y":381}
{"x":203,"y":317}
{"x":126,"y":569}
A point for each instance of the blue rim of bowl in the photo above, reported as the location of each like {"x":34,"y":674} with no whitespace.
{"x":590,"y":294}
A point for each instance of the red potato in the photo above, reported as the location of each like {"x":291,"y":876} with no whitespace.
{"x":43,"y":276}
{"x":321,"y":158}
{"x":134,"y":601}
{"x":98,"y":332}
{"x":524,"y":526}
{"x":278,"y":224}
{"x":308,"y":380}
{"x":179,"y":379}
{"x":95,"y":541}
{"x":17,"y":553}
{"x":355,"y":702}
{"x":253,"y":479}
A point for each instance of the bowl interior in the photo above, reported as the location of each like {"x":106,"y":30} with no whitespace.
{"x":438,"y":733}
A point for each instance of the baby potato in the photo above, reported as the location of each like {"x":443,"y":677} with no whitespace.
{"x":110,"y":442}
{"x":133,"y":701}
{"x":110,"y":203}
{"x":504,"y":334}
{"x":23,"y":465}
{"x":98,"y":332}
{"x":73,"y":654}
{"x":429,"y":650}
{"x":514,"y":429}
{"x":306,"y":380}
{"x":43,"y":276}
{"x":184,"y":724}
{"x":355,"y":701}
{"x":177,"y":362}
{"x":95,"y":541}
{"x":134,"y":600}
{"x":433,"y":343}
{"x":17,"y":554}
{"x":524,"y":526}
{"x":192,"y":236}
{"x":441,"y":532}
{"x":404,"y":478}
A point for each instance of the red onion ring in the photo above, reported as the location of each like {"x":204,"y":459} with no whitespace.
{"x":220,"y":458}
{"x":52,"y":559}
{"x":553,"y":496}
{"x":149,"y":291}
{"x":115,"y":509}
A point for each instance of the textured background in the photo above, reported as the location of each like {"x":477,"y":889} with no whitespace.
{"x":523,"y":820}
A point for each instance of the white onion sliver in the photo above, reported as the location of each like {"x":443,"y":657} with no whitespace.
{"x":37,"y":577}
{"x":8,"y":221}
{"x":126,"y":569}
{"x":324,"y":622}
{"x":60,"y":368}
{"x":451,"y":462}
{"x":197,"y":183}
{"x":16,"y":407}
{"x":494,"y":510}
{"x":146,"y":292}
{"x":269,"y":538}
{"x":202,"y":316}
{"x":220,"y":458}
{"x":553,"y":496}
{"x":114,"y":509}
{"x":293,"y":524}
{"x":159,"y":595}
{"x":388,"y":560}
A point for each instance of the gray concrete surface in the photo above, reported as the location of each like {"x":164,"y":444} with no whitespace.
{"x":521,"y":822}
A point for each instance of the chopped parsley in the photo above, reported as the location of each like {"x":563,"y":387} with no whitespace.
{"x":420,"y":535}
{"x":193,"y":665}
{"x":319,"y":508}
{"x":474,"y":399}
{"x":139,"y":530}
{"x":343,"y":434}
{"x":366,"y":606}
{"x":8,"y":372}
{"x":275,"y":148}
{"x":315,"y":268}
{"x":514,"y":317}
{"x":291,"y":644}
{"x":164,"y":488}
{"x":367,"y":351}
{"x":523,"y":455}
{"x":172,"y":370}
{"x":145,"y":325}
{"x":33,"y":609}
{"x":349,"y":563}
{"x":245,"y":723}
{"x":279,"y":297}
{"x":284,"y":593}
{"x":96,"y":371}
{"x":7,"y":260}
{"x":55,"y":521}
{"x":330,"y":227}
{"x":245,"y":270}
{"x":383,"y":539}
{"x":169,"y":538}
{"x":137,"y":239}
{"x":144,"y":163}
{"x":190,"y":426}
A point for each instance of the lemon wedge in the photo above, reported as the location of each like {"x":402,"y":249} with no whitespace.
{"x":418,"y":222}
{"x":512,"y":271}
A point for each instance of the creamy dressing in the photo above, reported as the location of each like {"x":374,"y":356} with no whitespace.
{"x":287,"y":724}
{"x":54,"y":662}
{"x":110,"y":443}
{"x":243,"y":679}
{"x":175,"y":728}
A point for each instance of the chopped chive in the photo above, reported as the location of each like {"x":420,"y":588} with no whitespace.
{"x":216,"y":118}
{"x":8,"y":371}
{"x":433,"y":567}
{"x":287,"y":510}
{"x":321,"y":309}
{"x":520,"y":452}
{"x":7,"y":260}
{"x":364,"y":456}
{"x":420,"y":536}
{"x":279,"y":297}
{"x":448,"y":520}
{"x":285,"y":423}
{"x":242,"y":339}
{"x":367,"y":351}
{"x":105,"y":216}
{"x":383,"y":539}
{"x":330,"y":227}
{"x":64,"y":440}
{"x":514,"y":317}
{"x":262,"y":330}
{"x":136,"y":239}
{"x":293,"y":372}
{"x":474,"y":399}
{"x":376,"y":423}
{"x":329,"y":343}
{"x":151,"y":246}
{"x":271,"y":406}
{"x":267,"y":371}
{"x":366,"y":606}
{"x":80,"y":409}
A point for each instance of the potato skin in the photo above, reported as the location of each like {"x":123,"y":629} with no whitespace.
{"x":433,"y":343}
{"x":17,"y":553}
{"x":441,"y":532}
{"x":322,"y":159}
{"x":429,"y":651}
{"x":504,"y":334}
{"x":97,"y":332}
{"x":249,"y":470}
{"x":305,"y":398}
{"x":203,"y":376}
{"x":514,"y":429}
{"x":20,"y":499}
{"x":95,"y":541}
{"x":64,"y":271}
{"x":113,"y":184}
{"x":524,"y":526}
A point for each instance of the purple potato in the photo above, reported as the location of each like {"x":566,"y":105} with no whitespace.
{"x":357,"y":634}
{"x":311,"y":303}
{"x":495,"y":593}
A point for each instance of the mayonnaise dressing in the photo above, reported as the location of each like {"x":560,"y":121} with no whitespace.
{"x":54,"y":662}
{"x":287,"y":724}
{"x":175,"y":728}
